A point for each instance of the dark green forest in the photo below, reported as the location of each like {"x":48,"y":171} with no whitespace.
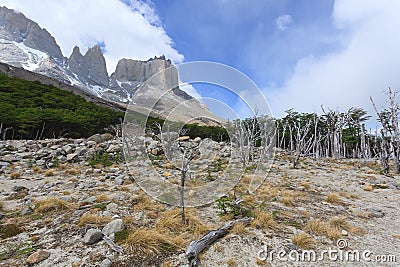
{"x":31,"y":110}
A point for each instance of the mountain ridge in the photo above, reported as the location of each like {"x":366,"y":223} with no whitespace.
{"x":26,"y":45}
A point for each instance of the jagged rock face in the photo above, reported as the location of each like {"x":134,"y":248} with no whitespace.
{"x":129,"y":70}
{"x":16,"y":27}
{"x":91,"y":67}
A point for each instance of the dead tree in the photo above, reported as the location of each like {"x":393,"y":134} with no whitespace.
{"x":303,"y":142}
{"x":189,"y":152}
{"x":385,"y":144}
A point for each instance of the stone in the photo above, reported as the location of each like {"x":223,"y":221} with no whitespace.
{"x":92,"y":236}
{"x":72,"y":157}
{"x":105,"y":263}
{"x":70,"y":186}
{"x":119,"y":181}
{"x":96,"y":138}
{"x":113,"y":227}
{"x":91,"y":199}
{"x":113,"y":149}
{"x":26,"y":211}
{"x":183,"y":138}
{"x":112,"y":207}
{"x":38,"y":256}
{"x":344,"y":233}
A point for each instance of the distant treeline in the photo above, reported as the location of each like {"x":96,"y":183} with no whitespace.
{"x":31,"y":110}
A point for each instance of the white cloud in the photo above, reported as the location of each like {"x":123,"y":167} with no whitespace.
{"x":282,"y":22}
{"x":131,"y":30}
{"x":188,"y":88}
{"x":366,"y":66}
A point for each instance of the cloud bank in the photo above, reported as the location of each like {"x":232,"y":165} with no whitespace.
{"x":366,"y":66}
{"x":128,"y":28}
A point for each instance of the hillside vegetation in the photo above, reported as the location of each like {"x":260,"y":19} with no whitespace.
{"x":31,"y":110}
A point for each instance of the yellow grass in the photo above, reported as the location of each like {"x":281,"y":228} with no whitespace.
{"x":239,"y":229}
{"x":316,"y":228}
{"x":303,"y":241}
{"x":102,"y":198}
{"x":93,"y":219}
{"x":334,"y":198}
{"x":148,"y":241}
{"x":15,"y":175}
{"x":263,"y":219}
{"x":170,"y":224}
{"x":340,"y":223}
{"x":51,"y":204}
{"x":49,"y":173}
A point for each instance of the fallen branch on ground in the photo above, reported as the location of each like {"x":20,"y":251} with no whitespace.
{"x":196,"y":247}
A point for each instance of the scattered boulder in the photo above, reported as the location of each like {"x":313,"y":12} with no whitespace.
{"x":92,"y":236}
{"x":38,"y":256}
{"x":113,"y":227}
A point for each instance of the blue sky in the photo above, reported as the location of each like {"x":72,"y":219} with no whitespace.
{"x":301,"y":53}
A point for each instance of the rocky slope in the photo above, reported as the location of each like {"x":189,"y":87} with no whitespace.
{"x":58,"y":212}
{"x":23,"y":43}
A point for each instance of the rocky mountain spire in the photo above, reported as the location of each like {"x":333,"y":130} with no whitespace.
{"x":91,"y":67}
{"x":16,"y":27}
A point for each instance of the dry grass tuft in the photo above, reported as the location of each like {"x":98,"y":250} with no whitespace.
{"x":288,"y":200}
{"x":170,"y":224}
{"x":51,"y":204}
{"x":368,"y":188}
{"x":316,"y":228}
{"x":334,"y":198}
{"x":93,"y":219}
{"x":231,"y":262}
{"x":239,"y":229}
{"x":37,"y":169}
{"x":340,"y":223}
{"x":148,"y":242}
{"x":72,"y":171}
{"x":49,"y":173}
{"x":263,"y":219}
{"x":16,"y":175}
{"x":333,"y":233}
{"x":358,"y":231}
{"x":102,"y":198}
{"x":303,"y":241}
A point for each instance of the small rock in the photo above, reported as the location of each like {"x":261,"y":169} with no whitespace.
{"x":113,"y":148}
{"x":96,"y":138}
{"x":92,"y":236}
{"x":105,"y":263}
{"x":91,"y":199}
{"x":70,"y":186}
{"x":113,"y":227}
{"x":344,"y":233}
{"x":112,"y":207}
{"x":119,"y":181}
{"x":183,"y":138}
{"x":71,"y":157}
{"x":38,"y":256}
{"x":26,"y":211}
